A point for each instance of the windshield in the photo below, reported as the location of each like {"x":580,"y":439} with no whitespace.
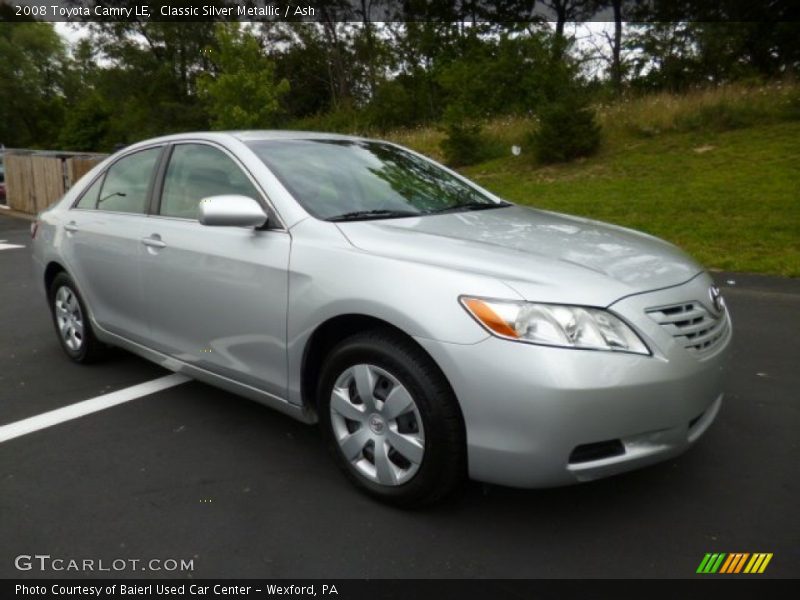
{"x":342,"y":180}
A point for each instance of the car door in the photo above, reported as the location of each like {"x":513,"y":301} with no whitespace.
{"x":102,"y":242}
{"x":216,"y":297}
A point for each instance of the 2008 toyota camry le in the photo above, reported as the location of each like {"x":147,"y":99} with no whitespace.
{"x":435,"y":331}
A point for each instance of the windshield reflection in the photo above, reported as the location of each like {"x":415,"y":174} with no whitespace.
{"x":358,"y":179}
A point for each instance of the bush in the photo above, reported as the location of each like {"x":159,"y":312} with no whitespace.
{"x":791,"y":109}
{"x":721,"y":116}
{"x":463,"y":145}
{"x":464,"y":142}
{"x":567,"y":130}
{"x":397,"y":103}
{"x":345,"y":119}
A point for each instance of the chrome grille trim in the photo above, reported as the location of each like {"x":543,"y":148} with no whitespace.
{"x":692,"y":325}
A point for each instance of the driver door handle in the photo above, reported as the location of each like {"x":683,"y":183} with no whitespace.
{"x":154,"y":241}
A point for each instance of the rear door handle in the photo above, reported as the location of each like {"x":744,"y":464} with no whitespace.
{"x":71,"y":227}
{"x":153,"y":241}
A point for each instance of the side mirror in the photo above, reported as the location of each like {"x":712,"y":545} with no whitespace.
{"x":231,"y":211}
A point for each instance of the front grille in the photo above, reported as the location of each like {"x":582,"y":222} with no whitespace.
{"x":692,"y":325}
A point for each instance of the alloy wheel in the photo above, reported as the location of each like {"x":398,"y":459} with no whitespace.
{"x":69,"y":318}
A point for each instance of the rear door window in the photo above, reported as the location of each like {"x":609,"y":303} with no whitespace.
{"x":127,"y":182}
{"x":90,"y":196}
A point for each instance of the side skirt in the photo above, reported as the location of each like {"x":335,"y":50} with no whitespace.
{"x":229,"y":385}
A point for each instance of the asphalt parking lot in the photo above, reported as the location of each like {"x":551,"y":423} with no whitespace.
{"x":194,"y":472}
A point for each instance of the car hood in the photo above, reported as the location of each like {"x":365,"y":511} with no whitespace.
{"x":544,"y":256}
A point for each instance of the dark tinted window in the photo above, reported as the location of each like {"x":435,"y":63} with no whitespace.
{"x":336,"y":178}
{"x":197,"y":171}
{"x":127,"y":181}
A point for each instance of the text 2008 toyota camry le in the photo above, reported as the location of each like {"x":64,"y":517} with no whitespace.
{"x":434,"y":330}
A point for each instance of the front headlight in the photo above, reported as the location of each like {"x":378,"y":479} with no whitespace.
{"x":555,"y":325}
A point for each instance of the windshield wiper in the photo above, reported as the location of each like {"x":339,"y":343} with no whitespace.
{"x":377,"y":213}
{"x":468,"y":206}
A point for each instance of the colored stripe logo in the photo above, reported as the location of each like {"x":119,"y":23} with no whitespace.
{"x":734,"y":562}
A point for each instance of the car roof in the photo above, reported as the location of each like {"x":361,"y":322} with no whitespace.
{"x":253,"y":135}
{"x":243,"y":136}
{"x":281,"y":134}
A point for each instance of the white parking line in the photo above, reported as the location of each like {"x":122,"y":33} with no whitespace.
{"x":87,"y":407}
{"x":5,"y":246}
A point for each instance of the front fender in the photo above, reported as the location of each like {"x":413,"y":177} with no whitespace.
{"x":328,"y":277}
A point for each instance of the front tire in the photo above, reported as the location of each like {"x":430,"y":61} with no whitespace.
{"x":72,"y":323}
{"x":391,"y":419}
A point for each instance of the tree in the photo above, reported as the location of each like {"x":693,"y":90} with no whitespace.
{"x":616,"y":47}
{"x":243,"y":93}
{"x":500,"y":75}
{"x":609,"y":50}
{"x":300,"y":56}
{"x":681,"y":44}
{"x":148,"y":76}
{"x":568,"y":11}
{"x":32,"y":63}
{"x":663,"y":55}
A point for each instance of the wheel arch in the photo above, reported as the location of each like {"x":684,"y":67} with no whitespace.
{"x":52,"y":269}
{"x":331,"y":332}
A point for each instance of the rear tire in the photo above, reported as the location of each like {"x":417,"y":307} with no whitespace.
{"x":391,"y":420}
{"x":72,"y":323}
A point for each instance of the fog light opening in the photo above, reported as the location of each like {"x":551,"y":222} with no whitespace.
{"x":596,"y":451}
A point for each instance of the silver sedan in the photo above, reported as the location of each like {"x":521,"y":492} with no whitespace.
{"x":435,"y":331}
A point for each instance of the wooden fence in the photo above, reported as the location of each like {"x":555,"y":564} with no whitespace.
{"x":35,"y":181}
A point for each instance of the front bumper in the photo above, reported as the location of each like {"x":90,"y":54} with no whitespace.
{"x":532,"y":412}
